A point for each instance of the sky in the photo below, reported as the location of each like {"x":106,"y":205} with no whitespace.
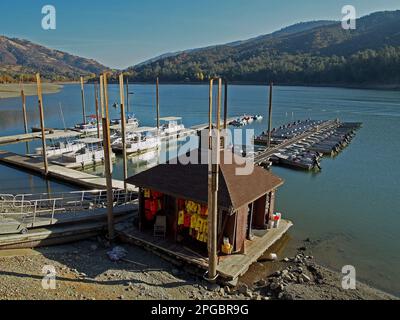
{"x":122,"y":33}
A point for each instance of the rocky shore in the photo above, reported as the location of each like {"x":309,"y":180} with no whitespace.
{"x":84,"y":271}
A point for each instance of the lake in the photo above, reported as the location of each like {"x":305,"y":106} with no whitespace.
{"x":350,"y":210}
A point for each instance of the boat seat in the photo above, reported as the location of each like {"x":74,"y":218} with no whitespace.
{"x":160,"y":227}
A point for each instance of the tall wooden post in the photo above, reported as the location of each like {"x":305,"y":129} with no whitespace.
{"x":270,"y":115}
{"x":123,"y":128}
{"x":226,"y":105}
{"x":213,"y":181}
{"x":24,"y":110}
{"x":107,"y":162}
{"x":127,"y":95}
{"x":83,"y":102}
{"x":96,"y":102}
{"x":102,"y":96}
{"x":158,"y":103}
{"x":40,"y":99}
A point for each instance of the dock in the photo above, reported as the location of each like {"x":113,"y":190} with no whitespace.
{"x":51,"y":134}
{"x":230,"y":267}
{"x":74,"y":177}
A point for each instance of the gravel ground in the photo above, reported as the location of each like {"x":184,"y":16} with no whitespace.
{"x":85,"y":272}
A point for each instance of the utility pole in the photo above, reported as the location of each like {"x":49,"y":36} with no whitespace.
{"x":107,"y":162}
{"x":213,"y":181}
{"x":83,"y":102}
{"x":270,"y":115}
{"x":40,"y":99}
{"x":123,"y":129}
{"x":96,"y":102}
{"x":158,"y":103}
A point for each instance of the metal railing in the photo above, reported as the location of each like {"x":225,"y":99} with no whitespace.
{"x":24,"y":206}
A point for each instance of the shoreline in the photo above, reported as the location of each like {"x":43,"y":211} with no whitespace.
{"x":84,"y":272}
{"x":13,"y":90}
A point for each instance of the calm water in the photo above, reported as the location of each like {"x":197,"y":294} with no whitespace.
{"x":351,"y":208}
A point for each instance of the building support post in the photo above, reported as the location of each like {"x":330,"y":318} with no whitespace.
{"x":123,"y":129}
{"x":213,"y":181}
{"x":44,"y":149}
{"x":108,"y":163}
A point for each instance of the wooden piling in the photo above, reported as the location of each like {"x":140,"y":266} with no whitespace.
{"x":270,"y":115}
{"x":83,"y":101}
{"x":213,"y":172}
{"x":123,"y":128}
{"x":226,"y":105}
{"x":127,"y":95}
{"x":158,"y":103}
{"x":23,"y":97}
{"x":96,"y":102}
{"x":40,"y":100}
{"x":108,"y":163}
{"x":102,"y":96}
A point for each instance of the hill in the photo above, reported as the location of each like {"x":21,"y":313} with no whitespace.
{"x":21,"y":57}
{"x":306,"y":53}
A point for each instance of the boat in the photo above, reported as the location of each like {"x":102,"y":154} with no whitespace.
{"x":258,"y":117}
{"x":57,"y":148}
{"x":138,"y":141}
{"x":88,"y":127}
{"x":171,"y":126}
{"x":131,"y":121}
{"x":91,"y":154}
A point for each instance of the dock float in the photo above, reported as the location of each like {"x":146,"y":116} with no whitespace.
{"x":230,"y":267}
{"x":53,"y":134}
{"x":58,"y":172}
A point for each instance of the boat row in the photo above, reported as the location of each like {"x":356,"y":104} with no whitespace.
{"x":89,"y":151}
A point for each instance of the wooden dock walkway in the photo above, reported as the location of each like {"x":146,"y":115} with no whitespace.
{"x":203,"y":126}
{"x":55,"y":134}
{"x":58,"y":172}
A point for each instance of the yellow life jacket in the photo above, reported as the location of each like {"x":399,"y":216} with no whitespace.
{"x":181,"y":218}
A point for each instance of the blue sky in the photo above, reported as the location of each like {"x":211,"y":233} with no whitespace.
{"x":121,"y":33}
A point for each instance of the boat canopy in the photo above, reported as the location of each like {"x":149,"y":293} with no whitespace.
{"x":169,"y":119}
{"x":90,"y":140}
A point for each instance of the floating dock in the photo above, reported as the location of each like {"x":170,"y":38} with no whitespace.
{"x":78,"y":178}
{"x":230,"y":267}
{"x":302,"y":144}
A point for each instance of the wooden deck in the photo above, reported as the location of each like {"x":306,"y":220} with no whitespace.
{"x":58,"y":172}
{"x":229,"y":267}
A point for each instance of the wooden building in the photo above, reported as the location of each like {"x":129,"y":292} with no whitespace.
{"x":174,"y":197}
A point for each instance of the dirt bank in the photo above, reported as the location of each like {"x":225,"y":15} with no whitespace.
{"x":84,"y":271}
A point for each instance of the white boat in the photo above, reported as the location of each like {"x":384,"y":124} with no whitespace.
{"x":131,"y":121}
{"x":139,"y":141}
{"x":258,"y":117}
{"x":171,"y":125}
{"x":89,"y":127}
{"x":91,"y":154}
{"x":58,"y":148}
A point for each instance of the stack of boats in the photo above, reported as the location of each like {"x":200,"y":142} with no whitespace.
{"x":304,"y":143}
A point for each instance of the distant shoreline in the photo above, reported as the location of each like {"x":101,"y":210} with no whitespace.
{"x":13,"y":90}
